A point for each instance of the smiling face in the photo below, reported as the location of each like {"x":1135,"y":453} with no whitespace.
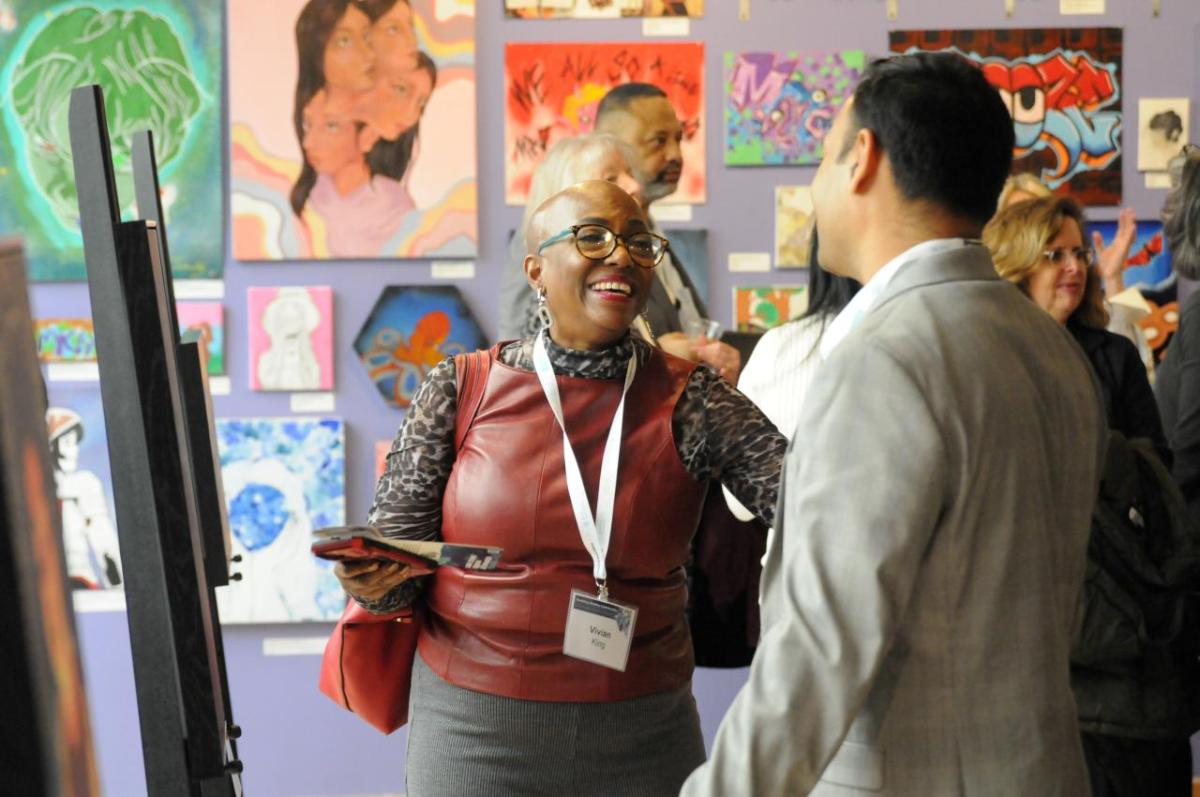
{"x":592,"y":302}
{"x":1058,"y":288}
{"x":349,"y":61}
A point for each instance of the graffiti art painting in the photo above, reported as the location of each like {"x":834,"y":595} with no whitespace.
{"x":352,"y":129}
{"x":1148,"y":268}
{"x":291,"y":338}
{"x":1063,"y":89}
{"x":779,"y":106}
{"x":409,"y":331}
{"x":793,"y":225}
{"x":1163,"y":129}
{"x":83,"y":483}
{"x":65,"y":340}
{"x":283,"y":478}
{"x":602,"y":9}
{"x":552,"y":90}
{"x":207,"y":321}
{"x":159,"y":63}
{"x":759,"y":308}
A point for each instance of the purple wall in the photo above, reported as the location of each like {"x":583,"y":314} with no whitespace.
{"x":296,"y":742}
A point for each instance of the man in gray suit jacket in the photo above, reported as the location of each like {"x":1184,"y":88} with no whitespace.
{"x":922,"y":590}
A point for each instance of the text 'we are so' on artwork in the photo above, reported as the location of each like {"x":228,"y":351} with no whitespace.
{"x":552,"y":90}
{"x":159,"y":64}
{"x":352,"y":128}
{"x":779,"y":106}
{"x":1063,"y":89}
{"x":283,"y":478}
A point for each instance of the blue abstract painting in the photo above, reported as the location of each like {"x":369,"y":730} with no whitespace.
{"x":409,"y":331}
{"x":283,"y":479}
{"x":690,"y":250}
{"x":1148,"y":267}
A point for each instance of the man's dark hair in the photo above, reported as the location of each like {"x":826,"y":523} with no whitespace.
{"x":943,"y":127}
{"x":619,"y":97}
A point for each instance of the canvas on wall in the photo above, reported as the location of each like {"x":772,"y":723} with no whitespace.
{"x":1163,"y":128}
{"x":780,"y":105}
{"x":65,"y":340}
{"x":352,"y":129}
{"x":1063,"y":89}
{"x":793,"y":225}
{"x":1148,"y":268}
{"x":602,"y":9}
{"x":83,"y":483}
{"x":159,"y":63}
{"x":762,"y":307}
{"x":409,"y":331}
{"x":689,"y":247}
{"x":291,"y":338}
{"x":284,"y":478}
{"x":207,"y":321}
{"x":552,"y":90}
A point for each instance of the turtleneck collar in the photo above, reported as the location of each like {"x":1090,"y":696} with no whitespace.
{"x":607,"y":363}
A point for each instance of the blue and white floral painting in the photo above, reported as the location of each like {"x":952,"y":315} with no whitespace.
{"x":283,"y":479}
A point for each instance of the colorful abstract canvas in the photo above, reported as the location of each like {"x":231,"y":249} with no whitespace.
{"x":1164,"y":126}
{"x":779,"y":106}
{"x":284,"y":478}
{"x":83,"y":481}
{"x":291,"y":338}
{"x":409,"y":331}
{"x":690,"y":249}
{"x":793,"y":225}
{"x":1148,"y":268}
{"x":1063,"y":89}
{"x":65,"y":340}
{"x":602,"y":9}
{"x":759,"y":308}
{"x":552,"y":90}
{"x":207,"y":320}
{"x":159,"y":63}
{"x":352,"y":135}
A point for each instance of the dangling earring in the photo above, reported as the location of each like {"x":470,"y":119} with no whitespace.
{"x":543,"y":311}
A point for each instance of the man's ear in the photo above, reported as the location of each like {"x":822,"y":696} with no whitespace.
{"x":865,"y":156}
{"x":533,"y":270}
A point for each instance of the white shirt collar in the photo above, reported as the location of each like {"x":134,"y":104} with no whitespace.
{"x":864,"y":301}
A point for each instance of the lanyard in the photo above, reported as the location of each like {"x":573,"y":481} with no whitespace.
{"x":595,"y":532}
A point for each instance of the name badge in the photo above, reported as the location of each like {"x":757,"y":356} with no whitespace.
{"x":599,"y":631}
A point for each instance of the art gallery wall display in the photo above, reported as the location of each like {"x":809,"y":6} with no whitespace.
{"x":793,"y":225}
{"x":689,"y":247}
{"x":352,"y":136}
{"x":1063,"y":88}
{"x":759,"y":308}
{"x":780,"y":105}
{"x":283,"y":478}
{"x":1163,"y":128}
{"x":602,"y":9}
{"x":552,"y":90}
{"x":159,"y":62}
{"x":207,"y":321}
{"x":291,"y":338}
{"x":1148,"y":268}
{"x":65,"y":340}
{"x":409,"y":331}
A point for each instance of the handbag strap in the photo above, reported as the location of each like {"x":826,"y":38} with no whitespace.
{"x":471,"y":374}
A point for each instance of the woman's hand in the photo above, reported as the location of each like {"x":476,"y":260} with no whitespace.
{"x":370,"y":579}
{"x":723,"y":358}
{"x":1110,"y":260}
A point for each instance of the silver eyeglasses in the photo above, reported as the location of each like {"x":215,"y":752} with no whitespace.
{"x":1081,"y":254}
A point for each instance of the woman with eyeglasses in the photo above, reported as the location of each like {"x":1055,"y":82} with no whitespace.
{"x":1039,"y":245}
{"x":585,"y":453}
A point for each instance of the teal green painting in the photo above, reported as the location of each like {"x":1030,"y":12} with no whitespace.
{"x":158,"y":62}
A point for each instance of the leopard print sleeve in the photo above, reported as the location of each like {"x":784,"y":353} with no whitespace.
{"x":721,"y":435}
{"x":408,"y":498}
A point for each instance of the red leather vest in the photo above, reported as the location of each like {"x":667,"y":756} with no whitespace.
{"x":502,"y":632}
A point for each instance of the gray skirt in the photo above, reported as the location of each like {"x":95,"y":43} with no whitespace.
{"x":463,"y":743}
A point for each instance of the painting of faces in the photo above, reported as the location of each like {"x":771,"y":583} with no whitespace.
{"x":602,"y":9}
{"x":552,"y":91}
{"x":352,"y":129}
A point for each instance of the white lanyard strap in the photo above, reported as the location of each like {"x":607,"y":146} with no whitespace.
{"x":596,"y":533}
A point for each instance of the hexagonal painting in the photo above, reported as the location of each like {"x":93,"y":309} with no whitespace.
{"x":409,"y":331}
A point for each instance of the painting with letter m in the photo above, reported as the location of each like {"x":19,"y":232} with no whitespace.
{"x":1063,"y":89}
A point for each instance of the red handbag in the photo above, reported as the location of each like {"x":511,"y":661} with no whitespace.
{"x":368,"y":661}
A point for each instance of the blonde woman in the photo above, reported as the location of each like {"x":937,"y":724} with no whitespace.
{"x":600,"y":156}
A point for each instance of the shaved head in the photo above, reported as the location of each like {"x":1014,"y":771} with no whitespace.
{"x":572,"y":204}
